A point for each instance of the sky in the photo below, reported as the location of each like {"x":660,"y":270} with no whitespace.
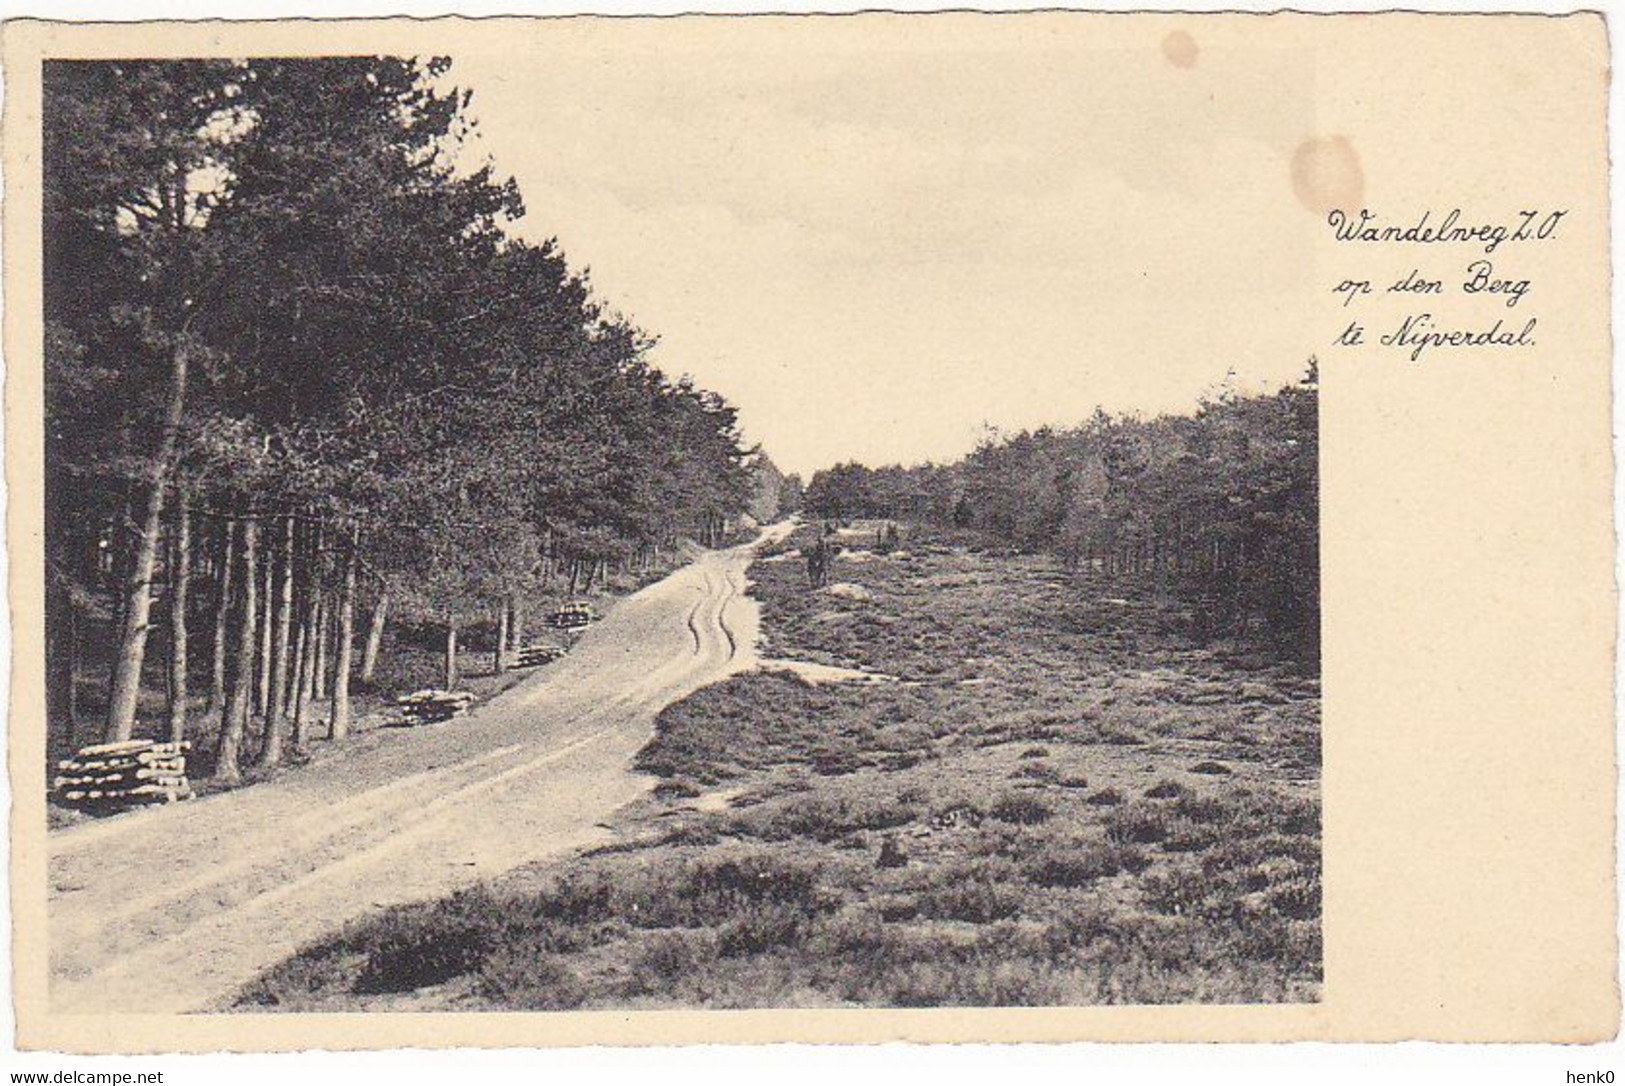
{"x":878,"y":236}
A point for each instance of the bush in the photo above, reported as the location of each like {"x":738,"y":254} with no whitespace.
{"x":1086,"y":924}
{"x":1133,"y":860}
{"x":1305,"y":850}
{"x":667,"y":959}
{"x":415,"y":948}
{"x":1120,"y":737}
{"x":764,"y":926}
{"x":978,"y":891}
{"x":1075,"y":866}
{"x":1284,"y":813}
{"x":824,"y":820}
{"x":892,"y":854}
{"x":689,"y":894}
{"x":1136,"y":825}
{"x":1179,"y":891}
{"x":314,"y":971}
{"x":1165,"y":790}
{"x":976,"y":902}
{"x":719,"y":887}
{"x":1106,"y":797}
{"x":1298,"y":899}
{"x":895,"y":910}
{"x":1022,"y":810}
{"x":957,"y":814}
{"x":1203,"y":809}
{"x":523,"y":975}
{"x":1281,"y":943}
{"x":1187,"y":836}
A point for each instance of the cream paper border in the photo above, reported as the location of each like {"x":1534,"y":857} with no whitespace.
{"x":1467,"y":573}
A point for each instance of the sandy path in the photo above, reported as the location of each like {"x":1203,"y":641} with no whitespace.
{"x":174,"y":909}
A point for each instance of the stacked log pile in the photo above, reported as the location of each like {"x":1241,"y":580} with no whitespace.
{"x":432,"y":706}
{"x":571,"y":616}
{"x":114,"y":777}
{"x":537,"y":655}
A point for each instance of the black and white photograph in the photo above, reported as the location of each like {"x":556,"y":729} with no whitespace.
{"x":1013,"y":530}
{"x":764,"y":534}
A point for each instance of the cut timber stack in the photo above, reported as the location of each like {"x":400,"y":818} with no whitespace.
{"x":115,"y":777}
{"x":537,"y":655}
{"x":432,"y":706}
{"x":571,"y":616}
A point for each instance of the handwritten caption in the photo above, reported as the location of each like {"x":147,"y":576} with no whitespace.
{"x":1458,"y":279}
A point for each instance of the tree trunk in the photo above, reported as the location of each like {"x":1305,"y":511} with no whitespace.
{"x":222,"y":616}
{"x":276,"y":697}
{"x":135,"y":612}
{"x":502,"y":640}
{"x":227,"y":767}
{"x":516,"y":624}
{"x":262,"y":676}
{"x":62,"y":658}
{"x":299,"y":691}
{"x":125,"y":687}
{"x":313,"y":647}
{"x":313,"y":611}
{"x":119,"y":559}
{"x":340,"y":726}
{"x":305,"y":654}
{"x":375,"y":637}
{"x":180,"y":575}
{"x":74,"y":639}
{"x":319,"y":635}
{"x":451,"y":654}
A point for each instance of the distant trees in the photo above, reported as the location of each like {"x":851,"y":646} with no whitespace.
{"x":297,"y":372}
{"x":772,"y":493}
{"x":844,"y":491}
{"x":1220,"y":507}
{"x":792,"y":496}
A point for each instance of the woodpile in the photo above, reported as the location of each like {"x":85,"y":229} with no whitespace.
{"x":571,"y":616}
{"x":537,"y":655}
{"x":114,"y":777}
{"x":431,"y":707}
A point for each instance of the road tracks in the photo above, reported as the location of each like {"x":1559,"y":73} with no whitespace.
{"x":175,"y":909}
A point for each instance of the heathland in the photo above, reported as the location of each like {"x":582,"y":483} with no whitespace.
{"x":963,"y":776}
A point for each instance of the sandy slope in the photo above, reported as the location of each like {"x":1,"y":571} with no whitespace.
{"x":172,"y":910}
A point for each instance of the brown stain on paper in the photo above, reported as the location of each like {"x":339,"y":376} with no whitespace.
{"x":1180,"y":49}
{"x":1326,"y":175}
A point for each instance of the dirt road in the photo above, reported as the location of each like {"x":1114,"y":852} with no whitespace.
{"x":174,"y":909}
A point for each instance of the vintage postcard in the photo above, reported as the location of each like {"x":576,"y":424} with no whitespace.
{"x":940,"y":527}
